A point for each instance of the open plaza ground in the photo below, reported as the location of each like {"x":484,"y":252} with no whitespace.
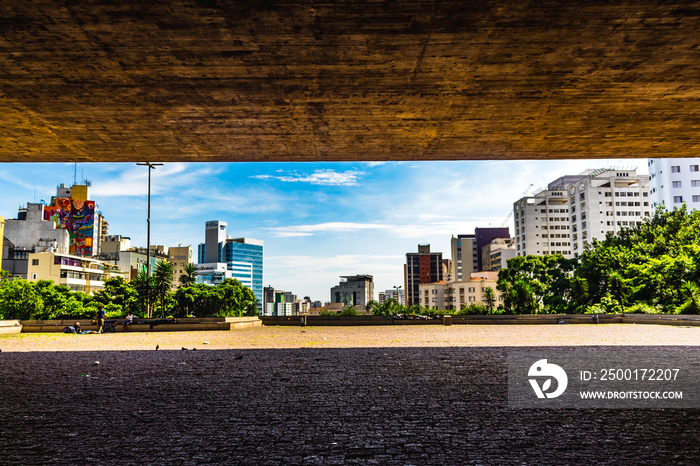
{"x":320,"y":395}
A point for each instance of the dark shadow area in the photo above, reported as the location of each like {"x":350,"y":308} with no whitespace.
{"x":310,"y":406}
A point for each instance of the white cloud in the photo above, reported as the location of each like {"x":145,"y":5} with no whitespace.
{"x":328,"y":227}
{"x":318,"y":177}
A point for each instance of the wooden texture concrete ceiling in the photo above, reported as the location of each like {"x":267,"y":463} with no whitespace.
{"x":133,"y":80}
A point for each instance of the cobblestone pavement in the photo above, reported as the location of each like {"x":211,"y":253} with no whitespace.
{"x":386,"y":336}
{"x":384,"y":406}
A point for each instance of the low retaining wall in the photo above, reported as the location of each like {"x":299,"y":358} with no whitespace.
{"x":149,"y":325}
{"x":10,"y":326}
{"x":539,"y":319}
{"x":349,"y":321}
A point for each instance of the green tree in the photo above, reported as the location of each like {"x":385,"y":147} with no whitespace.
{"x":119,"y":295}
{"x":390,"y":307}
{"x":579,"y":291}
{"x":490,"y":298}
{"x":189,"y":277}
{"x":143,"y":284}
{"x":349,"y":311}
{"x":20,"y":299}
{"x":692,"y":298}
{"x":163,"y":282}
{"x":371,"y":304}
{"x":542,"y":279}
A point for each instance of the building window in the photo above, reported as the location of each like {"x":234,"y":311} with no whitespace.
{"x":677,"y":199}
{"x":675,"y":169}
{"x":695,"y":183}
{"x":696,"y":198}
{"x":693,"y":168}
{"x":35,"y":261}
{"x":676,"y":184}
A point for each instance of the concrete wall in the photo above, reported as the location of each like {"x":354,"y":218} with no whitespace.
{"x":10,"y":326}
{"x":182,"y":325}
{"x":541,"y":319}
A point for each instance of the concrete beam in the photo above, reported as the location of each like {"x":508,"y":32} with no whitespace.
{"x":272,"y":80}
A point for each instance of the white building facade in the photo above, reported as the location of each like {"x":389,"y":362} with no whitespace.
{"x":673,"y":182}
{"x":574,"y":210}
{"x":542,"y":223}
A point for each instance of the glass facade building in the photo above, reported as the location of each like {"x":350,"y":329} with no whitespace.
{"x":243,"y":257}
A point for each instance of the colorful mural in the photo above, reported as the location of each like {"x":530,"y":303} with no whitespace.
{"x":78,"y":218}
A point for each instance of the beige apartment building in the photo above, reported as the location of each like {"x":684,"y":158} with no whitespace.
{"x":457,"y":295}
{"x":179,"y":256}
{"x":496,"y":254}
{"x":76,"y":272}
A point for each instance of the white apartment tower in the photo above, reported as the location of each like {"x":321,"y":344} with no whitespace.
{"x":674,"y":181}
{"x":542,"y":223}
{"x":575,"y":209}
{"x":605,"y":201}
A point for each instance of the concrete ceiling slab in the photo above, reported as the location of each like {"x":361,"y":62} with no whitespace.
{"x":210,"y":80}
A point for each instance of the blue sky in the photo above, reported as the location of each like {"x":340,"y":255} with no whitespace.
{"x":318,"y":220}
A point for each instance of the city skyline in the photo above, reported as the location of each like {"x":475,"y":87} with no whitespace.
{"x":319,"y":221}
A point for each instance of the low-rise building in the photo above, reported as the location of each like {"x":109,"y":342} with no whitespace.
{"x":78,"y":273}
{"x":353,"y":290}
{"x":458,"y":295}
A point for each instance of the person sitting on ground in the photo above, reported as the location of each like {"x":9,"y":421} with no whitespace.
{"x":78,"y":330}
{"x":129,"y":320}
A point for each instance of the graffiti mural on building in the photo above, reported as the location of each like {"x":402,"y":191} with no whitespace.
{"x":78,"y":218}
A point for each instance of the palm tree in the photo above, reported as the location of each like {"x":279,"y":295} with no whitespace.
{"x":371,"y":304}
{"x":163,"y":281}
{"x":144,"y":289}
{"x":691,"y":291}
{"x":490,"y":298}
{"x":579,"y":290}
{"x":618,"y":288}
{"x":189,"y":277}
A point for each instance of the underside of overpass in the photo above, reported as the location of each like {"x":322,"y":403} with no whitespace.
{"x":211,"y":80}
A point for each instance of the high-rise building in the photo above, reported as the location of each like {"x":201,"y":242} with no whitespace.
{"x":353,"y":290}
{"x":396,"y":294}
{"x":606,"y":201}
{"x":483,"y":237}
{"x":574,"y":210}
{"x":72,"y":210}
{"x":542,"y":221}
{"x":464,"y":256}
{"x":673,"y":182}
{"x":421,"y":267}
{"x":179,"y":256}
{"x":496,"y":253}
{"x":466,"y":251}
{"x":243,"y":258}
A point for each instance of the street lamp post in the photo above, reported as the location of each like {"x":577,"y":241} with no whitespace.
{"x":151,"y":166}
{"x":398,"y":294}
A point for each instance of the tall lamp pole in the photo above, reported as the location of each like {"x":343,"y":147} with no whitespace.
{"x":151,"y":166}
{"x":398,"y":294}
